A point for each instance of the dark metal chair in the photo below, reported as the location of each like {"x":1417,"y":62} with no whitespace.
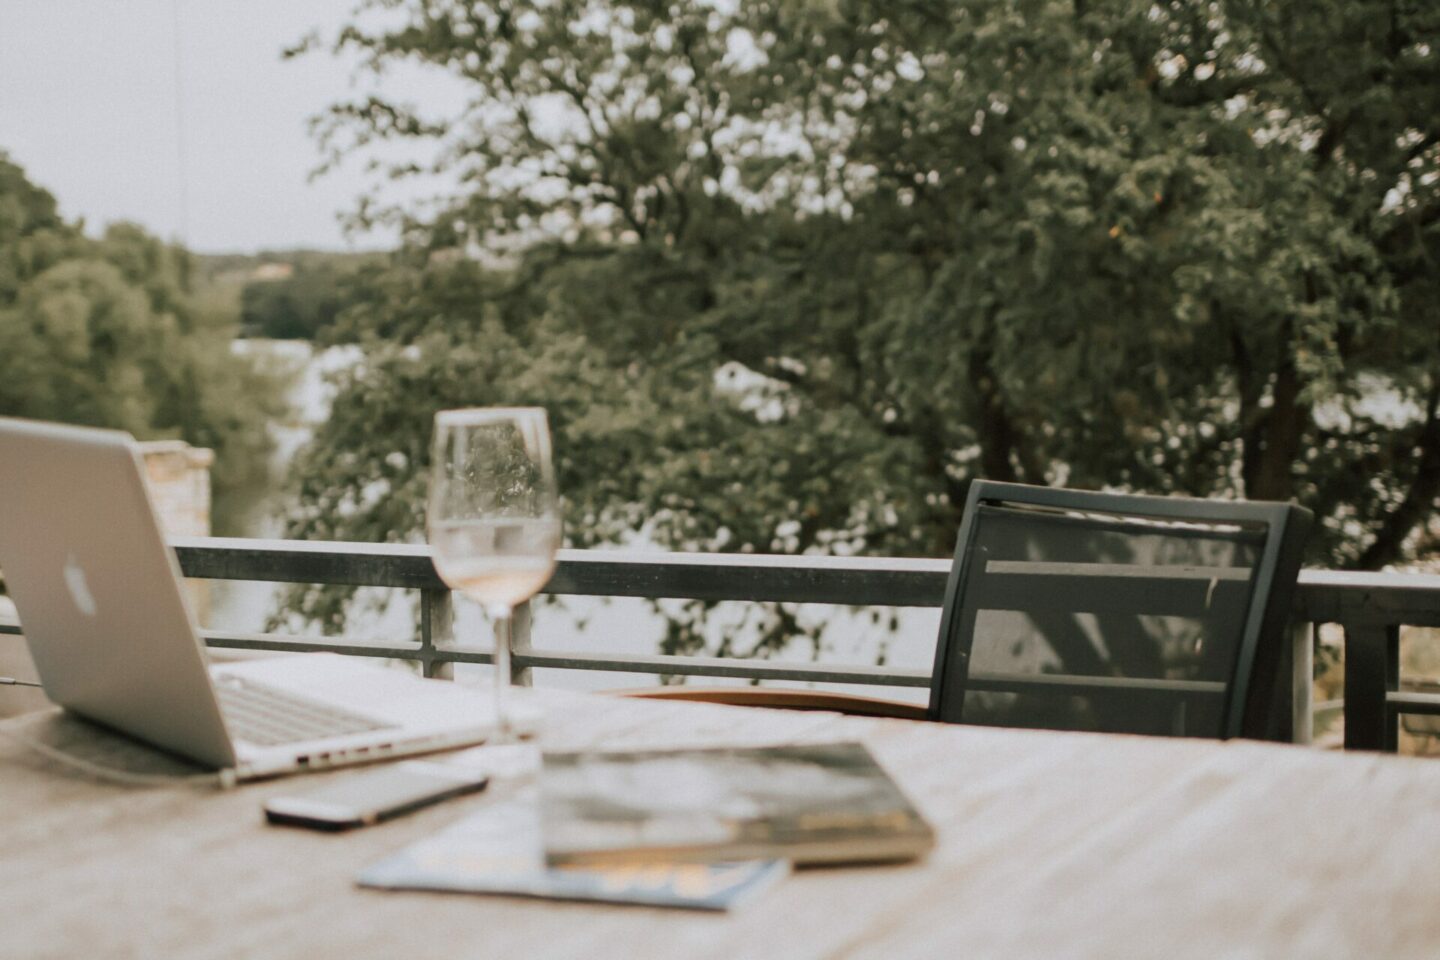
{"x":1074,"y":610}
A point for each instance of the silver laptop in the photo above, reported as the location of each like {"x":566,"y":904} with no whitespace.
{"x":103,"y":609}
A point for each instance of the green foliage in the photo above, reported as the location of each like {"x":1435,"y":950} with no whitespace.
{"x":1177,"y":247}
{"x":108,"y":333}
{"x":301,"y":306}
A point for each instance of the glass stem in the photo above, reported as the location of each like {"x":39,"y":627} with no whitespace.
{"x":503,"y":732}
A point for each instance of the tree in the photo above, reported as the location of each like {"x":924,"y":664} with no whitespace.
{"x":843,"y":257}
{"x":298,"y":307}
{"x":107,"y":333}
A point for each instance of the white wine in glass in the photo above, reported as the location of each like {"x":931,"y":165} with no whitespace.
{"x":493,"y":517}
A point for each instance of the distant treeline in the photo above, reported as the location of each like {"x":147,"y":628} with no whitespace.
{"x":124,"y":331}
{"x":291,"y":295}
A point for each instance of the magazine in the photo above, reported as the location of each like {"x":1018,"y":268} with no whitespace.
{"x":499,"y":851}
{"x":811,"y":803}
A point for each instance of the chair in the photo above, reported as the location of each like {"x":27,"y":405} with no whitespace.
{"x":1075,"y":610}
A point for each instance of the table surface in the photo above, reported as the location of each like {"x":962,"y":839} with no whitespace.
{"x":1049,"y":845}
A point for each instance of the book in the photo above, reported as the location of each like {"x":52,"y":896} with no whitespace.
{"x":498,"y":850}
{"x":809,"y":803}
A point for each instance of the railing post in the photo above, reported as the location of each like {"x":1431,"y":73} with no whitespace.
{"x":1372,"y":672}
{"x":437,"y":631}
{"x":1302,"y":690}
{"x":520,"y":676}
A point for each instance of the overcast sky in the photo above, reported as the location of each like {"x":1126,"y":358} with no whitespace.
{"x":90,"y":106}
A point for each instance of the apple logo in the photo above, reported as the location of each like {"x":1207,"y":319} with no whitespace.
{"x":79,"y":589}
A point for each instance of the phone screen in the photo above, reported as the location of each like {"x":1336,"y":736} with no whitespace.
{"x":374,"y":795}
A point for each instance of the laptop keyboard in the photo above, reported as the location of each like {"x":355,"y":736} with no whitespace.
{"x":269,"y":717}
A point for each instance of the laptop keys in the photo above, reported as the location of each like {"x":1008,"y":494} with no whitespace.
{"x":268,"y":717}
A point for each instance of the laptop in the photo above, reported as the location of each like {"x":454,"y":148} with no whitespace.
{"x":102,"y":606}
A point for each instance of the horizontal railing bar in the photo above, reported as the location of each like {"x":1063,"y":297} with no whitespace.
{"x":307,"y":561}
{"x":725,"y":667}
{"x":1337,"y":596}
{"x":715,"y":666}
{"x":859,"y":581}
{"x":1322,"y":596}
{"x":573,"y":660}
{"x":287,"y":644}
{"x":697,"y":666}
{"x":1413,"y":703}
{"x":1356,"y":600}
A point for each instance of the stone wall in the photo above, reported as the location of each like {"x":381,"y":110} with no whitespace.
{"x":179,"y":476}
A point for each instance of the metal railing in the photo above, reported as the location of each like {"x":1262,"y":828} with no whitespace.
{"x":859,"y":581}
{"x":1370,"y":608}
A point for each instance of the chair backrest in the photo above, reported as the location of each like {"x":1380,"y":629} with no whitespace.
{"x":1074,"y":610}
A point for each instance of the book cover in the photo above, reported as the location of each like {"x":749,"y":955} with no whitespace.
{"x":499,"y":851}
{"x":809,"y":803}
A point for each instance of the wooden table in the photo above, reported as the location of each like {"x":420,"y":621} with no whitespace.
{"x":1050,"y":845}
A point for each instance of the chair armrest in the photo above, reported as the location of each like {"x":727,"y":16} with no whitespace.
{"x":781,"y":699}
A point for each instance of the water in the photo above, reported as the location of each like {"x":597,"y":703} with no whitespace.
{"x":600,"y":625}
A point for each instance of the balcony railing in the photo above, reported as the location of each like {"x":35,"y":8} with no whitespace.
{"x":1369,"y":608}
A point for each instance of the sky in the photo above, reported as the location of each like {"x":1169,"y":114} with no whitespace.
{"x":198,"y":134}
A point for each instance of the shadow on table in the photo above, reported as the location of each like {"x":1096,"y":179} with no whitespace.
{"x":89,"y":744}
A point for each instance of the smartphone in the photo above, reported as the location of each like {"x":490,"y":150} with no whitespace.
{"x":379,"y":794}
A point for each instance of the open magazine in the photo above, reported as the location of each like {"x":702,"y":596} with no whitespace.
{"x":498,"y":850}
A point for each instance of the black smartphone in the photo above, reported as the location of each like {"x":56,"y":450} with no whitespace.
{"x":374,"y":795}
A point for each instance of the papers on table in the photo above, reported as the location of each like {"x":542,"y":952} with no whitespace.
{"x":499,"y":850}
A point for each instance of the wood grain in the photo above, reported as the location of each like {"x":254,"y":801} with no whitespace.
{"x":1050,"y":845}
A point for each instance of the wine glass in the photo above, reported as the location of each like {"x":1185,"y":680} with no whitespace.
{"x":493,"y":519}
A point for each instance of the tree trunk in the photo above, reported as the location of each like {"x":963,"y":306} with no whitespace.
{"x":1284,"y":423}
{"x":1270,"y":436}
{"x":1419,"y":500}
{"x":997,"y":433}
